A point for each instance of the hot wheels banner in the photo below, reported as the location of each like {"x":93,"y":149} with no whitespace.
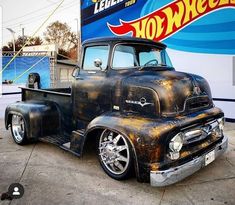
{"x":203,"y":26}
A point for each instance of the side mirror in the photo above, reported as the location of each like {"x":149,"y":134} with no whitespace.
{"x":98,"y":63}
{"x":75,"y":71}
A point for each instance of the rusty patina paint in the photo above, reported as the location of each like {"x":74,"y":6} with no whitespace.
{"x":101,"y":100}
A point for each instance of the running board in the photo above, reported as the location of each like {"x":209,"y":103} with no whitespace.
{"x":57,"y":140}
{"x":66,"y":148}
{"x":74,"y":146}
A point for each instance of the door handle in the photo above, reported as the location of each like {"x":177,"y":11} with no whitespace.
{"x":79,"y":78}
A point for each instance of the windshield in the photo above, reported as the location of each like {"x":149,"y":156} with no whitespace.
{"x":136,"y":55}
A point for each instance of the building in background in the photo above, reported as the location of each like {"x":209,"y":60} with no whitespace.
{"x":38,"y":59}
{"x":64,"y":70}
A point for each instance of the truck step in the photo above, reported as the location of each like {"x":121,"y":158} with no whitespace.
{"x":77,"y":140}
{"x":61,"y":141}
{"x":71,"y":144}
{"x":58,"y":140}
{"x":67,"y":145}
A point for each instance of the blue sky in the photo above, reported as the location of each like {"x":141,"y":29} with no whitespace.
{"x":30,"y":14}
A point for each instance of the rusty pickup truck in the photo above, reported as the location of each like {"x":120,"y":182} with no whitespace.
{"x":126,"y":98}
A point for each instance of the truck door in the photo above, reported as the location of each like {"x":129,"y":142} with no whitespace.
{"x":91,"y":89}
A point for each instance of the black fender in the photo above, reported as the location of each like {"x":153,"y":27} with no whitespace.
{"x":149,"y":137}
{"x":142,"y":133}
{"x":42,"y":118}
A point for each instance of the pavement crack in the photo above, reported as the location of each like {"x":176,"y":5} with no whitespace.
{"x":26,"y":165}
{"x":229,"y":162}
{"x":27,"y":162}
{"x":18,"y":150}
{"x":162,"y":196}
{"x":188,"y":197}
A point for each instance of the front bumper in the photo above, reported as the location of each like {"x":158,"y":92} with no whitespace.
{"x":173,"y":175}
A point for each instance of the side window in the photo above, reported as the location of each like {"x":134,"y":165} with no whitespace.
{"x":124,"y":57}
{"x":93,"y":53}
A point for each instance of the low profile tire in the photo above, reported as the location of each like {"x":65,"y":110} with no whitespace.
{"x":115,"y":155}
{"x":18,"y":130}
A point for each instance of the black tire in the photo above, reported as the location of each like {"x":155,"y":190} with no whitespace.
{"x":114,"y":170}
{"x":18,"y":129}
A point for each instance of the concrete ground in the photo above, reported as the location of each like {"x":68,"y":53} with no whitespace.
{"x":53,"y":176}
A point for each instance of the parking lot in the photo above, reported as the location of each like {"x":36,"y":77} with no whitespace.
{"x":53,"y":176}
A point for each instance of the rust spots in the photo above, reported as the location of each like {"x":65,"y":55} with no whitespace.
{"x":156,"y":153}
{"x":156,"y":131}
{"x":97,"y":77}
{"x":154,"y":167}
{"x":93,"y":95}
{"x":180,"y":117}
{"x":202,"y":115}
{"x":132,"y":137}
{"x":136,"y":123}
{"x":184,"y":154}
{"x":161,"y":129}
{"x":204,"y":145}
{"x":167,"y":84}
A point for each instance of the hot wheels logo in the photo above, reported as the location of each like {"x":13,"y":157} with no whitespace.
{"x":166,"y":21}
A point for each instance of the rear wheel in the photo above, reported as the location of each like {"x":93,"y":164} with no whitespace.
{"x":115,"y":154}
{"x":18,"y":129}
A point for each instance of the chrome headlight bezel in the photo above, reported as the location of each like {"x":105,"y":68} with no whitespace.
{"x":176,"y":143}
{"x":220,"y":127}
{"x":221,"y":123}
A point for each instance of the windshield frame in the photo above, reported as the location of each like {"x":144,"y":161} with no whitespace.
{"x":161,"y":50}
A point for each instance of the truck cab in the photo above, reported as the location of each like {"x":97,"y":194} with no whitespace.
{"x":127,"y":97}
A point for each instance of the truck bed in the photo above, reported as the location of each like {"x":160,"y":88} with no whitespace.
{"x":30,"y":92}
{"x":60,"y":96}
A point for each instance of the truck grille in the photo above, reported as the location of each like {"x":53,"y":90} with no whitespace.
{"x":199,"y":133}
{"x":198,"y":102}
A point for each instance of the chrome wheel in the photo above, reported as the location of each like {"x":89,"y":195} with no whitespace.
{"x":114,"y":152}
{"x":18,"y":128}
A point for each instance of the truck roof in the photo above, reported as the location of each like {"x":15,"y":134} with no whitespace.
{"x":123,"y":39}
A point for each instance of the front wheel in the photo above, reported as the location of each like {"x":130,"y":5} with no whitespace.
{"x":115,"y":155}
{"x":18,"y":129}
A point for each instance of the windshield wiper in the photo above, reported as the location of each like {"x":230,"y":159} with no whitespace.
{"x":157,"y":65}
{"x":162,"y":64}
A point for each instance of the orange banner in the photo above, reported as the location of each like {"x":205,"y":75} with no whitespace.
{"x":166,"y":21}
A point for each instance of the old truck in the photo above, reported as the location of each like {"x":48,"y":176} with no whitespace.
{"x":144,"y":117}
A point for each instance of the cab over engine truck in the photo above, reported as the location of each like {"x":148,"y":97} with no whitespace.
{"x":145,"y":117}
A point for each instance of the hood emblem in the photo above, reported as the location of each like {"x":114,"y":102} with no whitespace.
{"x":142,"y":102}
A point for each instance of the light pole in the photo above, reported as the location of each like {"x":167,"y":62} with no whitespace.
{"x":14,"y":46}
{"x":13,"y":37}
{"x":22,"y":29}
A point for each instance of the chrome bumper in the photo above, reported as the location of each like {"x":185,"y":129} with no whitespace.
{"x":173,"y":175}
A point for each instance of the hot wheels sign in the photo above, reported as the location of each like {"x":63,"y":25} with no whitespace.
{"x":201,"y":26}
{"x":166,"y":21}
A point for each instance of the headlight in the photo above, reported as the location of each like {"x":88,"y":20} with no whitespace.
{"x":220,"y":128}
{"x":176,"y":143}
{"x":221,"y":123}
